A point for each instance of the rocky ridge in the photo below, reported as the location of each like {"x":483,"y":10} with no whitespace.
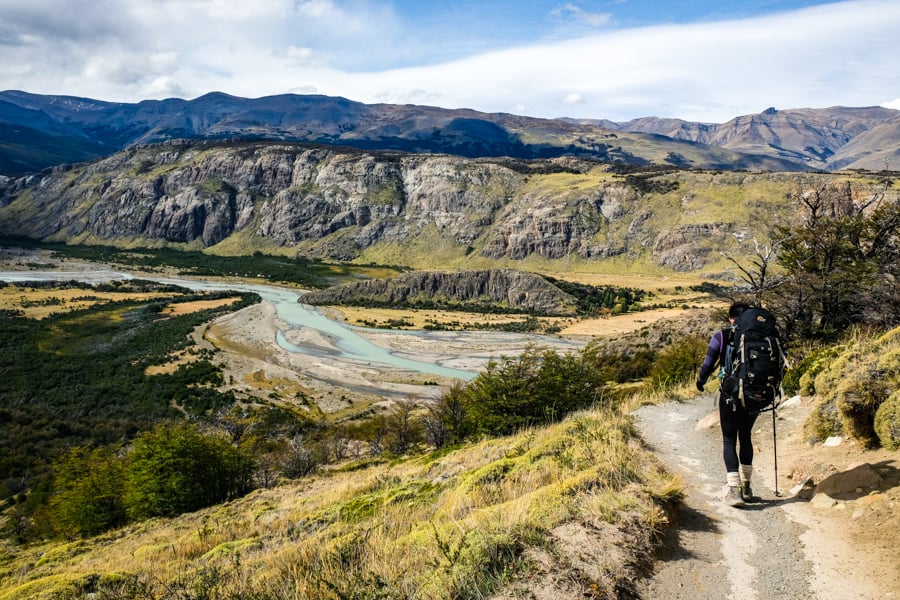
{"x":390,"y":207}
{"x":505,"y":288}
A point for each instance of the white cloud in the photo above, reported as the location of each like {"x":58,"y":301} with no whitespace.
{"x":588,"y":18}
{"x":841,"y":53}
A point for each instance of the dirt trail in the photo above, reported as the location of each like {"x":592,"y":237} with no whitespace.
{"x":776,"y":547}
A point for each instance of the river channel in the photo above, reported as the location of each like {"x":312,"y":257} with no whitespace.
{"x":346,"y":339}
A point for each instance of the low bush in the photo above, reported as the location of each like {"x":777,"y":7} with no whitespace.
{"x":678,"y":363}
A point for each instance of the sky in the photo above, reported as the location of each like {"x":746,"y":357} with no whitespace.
{"x":699,"y":60}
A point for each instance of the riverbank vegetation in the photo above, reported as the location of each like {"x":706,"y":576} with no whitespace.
{"x":80,"y":377}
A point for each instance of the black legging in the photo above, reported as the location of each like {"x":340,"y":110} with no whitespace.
{"x":737,"y":425}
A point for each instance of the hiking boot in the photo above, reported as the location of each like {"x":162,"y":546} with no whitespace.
{"x":733,"y":496}
{"x":746,"y":492}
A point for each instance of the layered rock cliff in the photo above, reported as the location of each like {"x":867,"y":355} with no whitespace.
{"x":422,"y":211}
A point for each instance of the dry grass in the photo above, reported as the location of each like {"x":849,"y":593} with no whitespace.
{"x":452,"y":525}
{"x":420,"y":318}
{"x":39,"y":303}
{"x":185,"y":308}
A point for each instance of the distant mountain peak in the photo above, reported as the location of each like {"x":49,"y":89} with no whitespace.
{"x":39,"y":131}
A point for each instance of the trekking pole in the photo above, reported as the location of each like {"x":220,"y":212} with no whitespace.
{"x":775,"y":453}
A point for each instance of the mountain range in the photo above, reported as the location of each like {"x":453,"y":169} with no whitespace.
{"x":40,"y":131}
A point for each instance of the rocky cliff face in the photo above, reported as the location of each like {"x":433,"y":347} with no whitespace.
{"x":289,"y":195}
{"x":504,"y":287}
{"x":344,"y":204}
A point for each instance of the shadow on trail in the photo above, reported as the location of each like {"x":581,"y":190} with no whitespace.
{"x":758,"y":504}
{"x":684,"y":519}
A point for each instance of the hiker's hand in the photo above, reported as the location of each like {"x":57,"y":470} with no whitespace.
{"x":700,"y":385}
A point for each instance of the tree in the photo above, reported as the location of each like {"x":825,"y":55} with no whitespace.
{"x":447,"y":420}
{"x":840,"y":261}
{"x":176,"y":468}
{"x":403,"y":430}
{"x":88,"y":489}
{"x":503,"y":397}
{"x":301,"y":457}
{"x":759,"y":281}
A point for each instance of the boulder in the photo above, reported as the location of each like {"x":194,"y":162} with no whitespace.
{"x":855,"y":478}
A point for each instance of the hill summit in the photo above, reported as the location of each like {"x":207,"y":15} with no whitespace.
{"x":37,"y":131}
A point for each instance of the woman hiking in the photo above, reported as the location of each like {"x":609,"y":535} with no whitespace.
{"x":736,"y":421}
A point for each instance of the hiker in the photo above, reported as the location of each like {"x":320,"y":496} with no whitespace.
{"x":736,"y":421}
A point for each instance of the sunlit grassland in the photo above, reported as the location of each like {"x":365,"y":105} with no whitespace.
{"x":555,"y":183}
{"x":38,"y":303}
{"x":428,"y":250}
{"x":447,"y":525}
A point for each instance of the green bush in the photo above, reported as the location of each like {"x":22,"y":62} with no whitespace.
{"x":88,"y":486}
{"x":800,"y":377}
{"x":535,"y":388}
{"x":854,"y":380}
{"x":858,"y":397}
{"x":678,"y":363}
{"x":175,"y":469}
{"x":824,"y":422}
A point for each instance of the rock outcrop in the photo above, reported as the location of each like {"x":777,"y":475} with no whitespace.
{"x":503,"y":288}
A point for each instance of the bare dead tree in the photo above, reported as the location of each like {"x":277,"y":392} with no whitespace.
{"x":757,"y":275}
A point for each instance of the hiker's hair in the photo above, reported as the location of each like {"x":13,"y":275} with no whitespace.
{"x":737,"y":308}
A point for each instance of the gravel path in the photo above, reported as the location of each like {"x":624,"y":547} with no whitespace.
{"x":714,"y":550}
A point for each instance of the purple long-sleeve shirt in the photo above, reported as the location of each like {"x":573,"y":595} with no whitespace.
{"x":713,"y":356}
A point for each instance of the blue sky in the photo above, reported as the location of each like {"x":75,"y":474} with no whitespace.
{"x":700,"y":60}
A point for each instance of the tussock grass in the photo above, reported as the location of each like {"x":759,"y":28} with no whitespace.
{"x":858,"y":386}
{"x":452,"y":525}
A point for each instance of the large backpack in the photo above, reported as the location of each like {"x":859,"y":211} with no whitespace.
{"x":754,"y":361}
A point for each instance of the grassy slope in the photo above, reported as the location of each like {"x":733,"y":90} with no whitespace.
{"x":448,"y":525}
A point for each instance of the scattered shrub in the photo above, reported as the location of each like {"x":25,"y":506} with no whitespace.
{"x":824,"y":422}
{"x":800,"y":377}
{"x":858,"y":397}
{"x":678,"y":363}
